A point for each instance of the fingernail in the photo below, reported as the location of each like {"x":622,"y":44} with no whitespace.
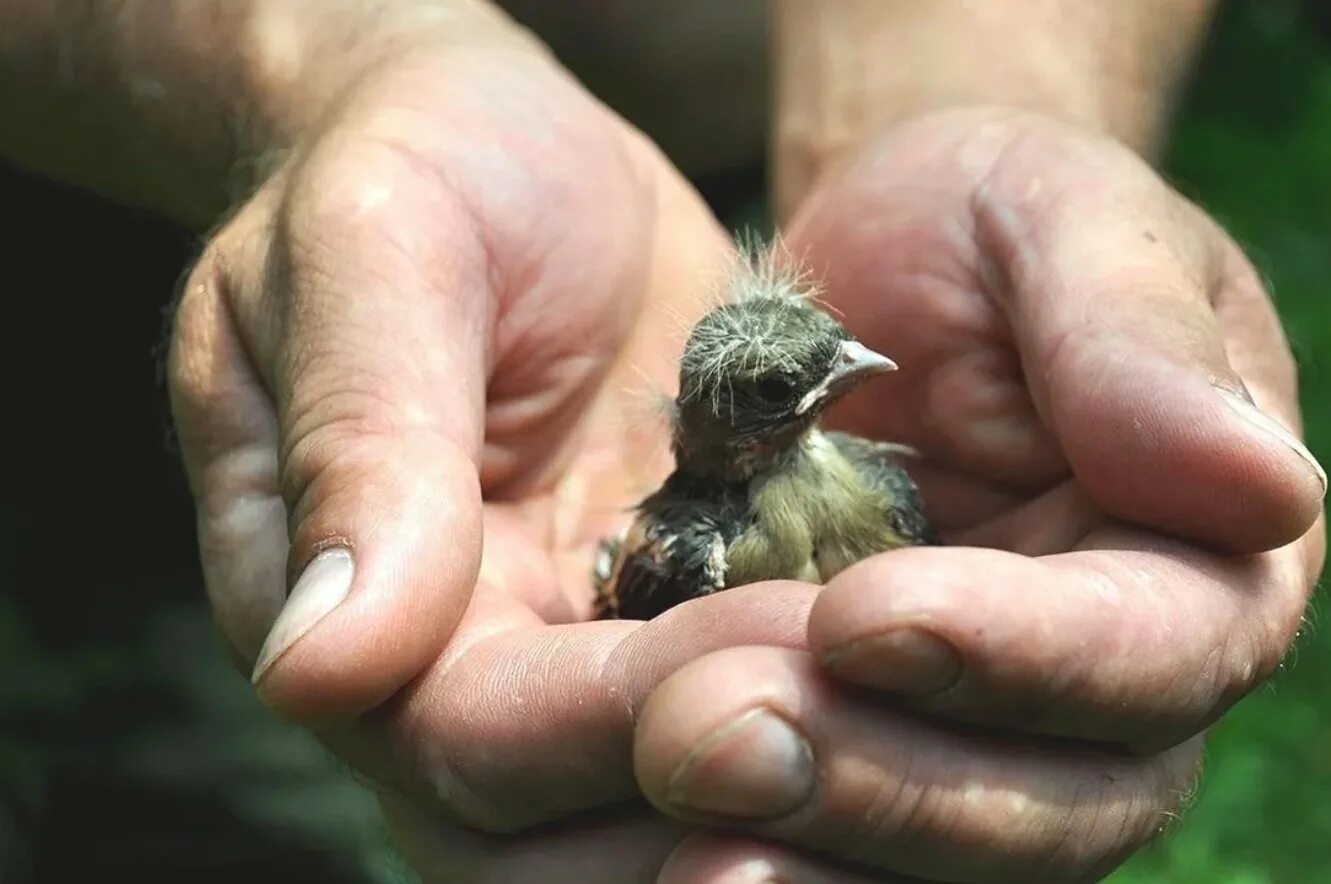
{"x":907,"y":660}
{"x":1259,"y":419}
{"x":754,"y":870}
{"x":321,"y":588}
{"x":754,"y":766}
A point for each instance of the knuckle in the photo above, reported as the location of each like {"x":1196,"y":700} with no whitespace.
{"x":1005,"y":833}
{"x":333,"y":439}
{"x":1261,"y":641}
{"x":451,"y":775}
{"x":891,"y":816}
{"x":468,"y":804}
{"x":345,"y":445}
{"x":364,"y":196}
{"x":1126,"y":810}
{"x":194,"y":323}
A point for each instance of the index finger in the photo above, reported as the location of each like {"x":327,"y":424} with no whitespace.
{"x":520,"y":723}
{"x":1130,"y":639}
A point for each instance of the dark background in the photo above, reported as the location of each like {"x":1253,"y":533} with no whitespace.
{"x":128,"y":744}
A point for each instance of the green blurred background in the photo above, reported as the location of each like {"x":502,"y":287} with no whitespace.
{"x":129,"y":747}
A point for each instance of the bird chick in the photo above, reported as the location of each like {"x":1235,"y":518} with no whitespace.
{"x":759,"y":492}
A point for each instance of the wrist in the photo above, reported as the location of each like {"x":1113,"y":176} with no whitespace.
{"x":301,"y":60}
{"x":182,"y":106}
{"x":848,"y":69}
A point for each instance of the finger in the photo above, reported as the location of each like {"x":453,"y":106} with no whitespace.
{"x":628,"y":844}
{"x":759,"y":739}
{"x":1142,"y":642}
{"x":1109,"y":291}
{"x":707,"y":857}
{"x":521,"y":724}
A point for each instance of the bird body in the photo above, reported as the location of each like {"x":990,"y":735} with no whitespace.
{"x":836,"y":500}
{"x":759,"y":491}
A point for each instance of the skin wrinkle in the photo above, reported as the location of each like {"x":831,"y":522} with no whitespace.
{"x":1108,"y":701}
{"x":1000,"y":248}
{"x":1054,"y":853}
{"x":561,"y":410}
{"x":466,"y":793}
{"x":209,"y":282}
{"x":324,"y":210}
{"x":511,"y":341}
{"x":432,"y":763}
{"x":1153,"y":588}
{"x":317,"y":437}
{"x":998,"y":317}
{"x":988,"y":398}
{"x":299,"y":362}
{"x":1128,"y":833}
{"x":499,"y":812}
{"x":205,"y":309}
{"x":1147,"y":807}
{"x":893,"y":815}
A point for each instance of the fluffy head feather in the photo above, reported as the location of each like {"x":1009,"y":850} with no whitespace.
{"x":758,"y":369}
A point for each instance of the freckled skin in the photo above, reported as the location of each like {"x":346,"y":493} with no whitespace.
{"x":759,"y":492}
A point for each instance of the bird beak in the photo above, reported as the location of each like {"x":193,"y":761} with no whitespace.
{"x":854,"y":363}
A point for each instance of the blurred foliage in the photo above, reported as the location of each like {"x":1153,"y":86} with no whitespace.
{"x":1253,"y":146}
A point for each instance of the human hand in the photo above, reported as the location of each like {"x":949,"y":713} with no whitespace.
{"x":1137,"y":538}
{"x":425,"y":328}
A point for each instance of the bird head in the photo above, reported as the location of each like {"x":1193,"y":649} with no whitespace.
{"x":755,"y":376}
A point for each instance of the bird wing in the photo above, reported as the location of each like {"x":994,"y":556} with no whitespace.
{"x":878,"y":463}
{"x":674,"y":551}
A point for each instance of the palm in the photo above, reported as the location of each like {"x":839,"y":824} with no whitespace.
{"x":541,"y":543}
{"x":916,"y":280}
{"x":556,"y":486}
{"x":916,"y":275}
{"x":597,"y":252}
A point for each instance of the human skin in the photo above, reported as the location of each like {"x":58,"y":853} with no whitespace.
{"x":426,"y":325}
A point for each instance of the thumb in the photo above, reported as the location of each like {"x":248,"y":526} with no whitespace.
{"x":1151,"y":351}
{"x":349,"y":360}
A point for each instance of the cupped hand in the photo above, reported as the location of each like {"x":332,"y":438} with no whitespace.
{"x":1107,"y":412}
{"x":408,"y":380}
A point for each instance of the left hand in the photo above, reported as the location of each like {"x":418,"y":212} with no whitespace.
{"x":1108,"y":412}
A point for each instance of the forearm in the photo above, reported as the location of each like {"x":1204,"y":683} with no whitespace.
{"x":179,"y":105}
{"x":847,"y":68}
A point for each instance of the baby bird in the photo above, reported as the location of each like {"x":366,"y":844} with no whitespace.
{"x":759,"y":492}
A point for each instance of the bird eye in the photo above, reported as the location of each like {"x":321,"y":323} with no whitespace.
{"x":775,"y":391}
